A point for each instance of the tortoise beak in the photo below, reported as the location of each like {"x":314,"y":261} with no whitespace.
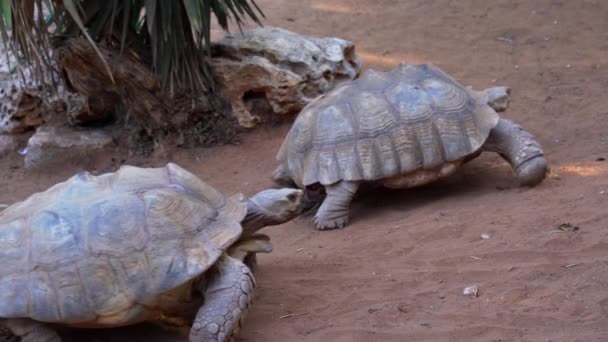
{"x":311,"y":200}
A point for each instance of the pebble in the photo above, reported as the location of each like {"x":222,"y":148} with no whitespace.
{"x":471,"y":291}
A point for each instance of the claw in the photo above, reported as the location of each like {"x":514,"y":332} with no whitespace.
{"x":325,"y":224}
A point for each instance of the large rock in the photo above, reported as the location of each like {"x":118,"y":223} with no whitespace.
{"x":21,"y":108}
{"x":282,"y":68}
{"x":58,"y":144}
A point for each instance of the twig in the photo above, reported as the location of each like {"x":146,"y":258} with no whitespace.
{"x":294,"y":315}
{"x":571,"y":265}
{"x":476,"y":258}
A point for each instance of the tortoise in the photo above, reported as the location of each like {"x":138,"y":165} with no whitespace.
{"x":402,"y":128}
{"x":138,"y":244}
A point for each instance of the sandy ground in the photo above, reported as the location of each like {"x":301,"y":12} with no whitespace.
{"x":397,"y":272}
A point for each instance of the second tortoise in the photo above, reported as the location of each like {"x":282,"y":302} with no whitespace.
{"x":403,"y":128}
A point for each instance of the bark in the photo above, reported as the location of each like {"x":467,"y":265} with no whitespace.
{"x":135,"y":86}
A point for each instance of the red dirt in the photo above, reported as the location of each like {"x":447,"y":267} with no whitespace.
{"x":397,"y":272}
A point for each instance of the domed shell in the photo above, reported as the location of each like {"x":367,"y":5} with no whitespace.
{"x":93,"y":246}
{"x":386,"y":124}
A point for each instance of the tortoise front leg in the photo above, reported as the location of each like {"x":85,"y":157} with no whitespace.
{"x":520,"y":149}
{"x":334,"y":211}
{"x":30,"y":331}
{"x":229,"y":294}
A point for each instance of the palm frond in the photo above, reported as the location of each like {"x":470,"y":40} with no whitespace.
{"x":27,"y":37}
{"x":173,"y":35}
{"x":71,"y":8}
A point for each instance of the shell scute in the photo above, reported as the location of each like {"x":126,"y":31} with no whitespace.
{"x":89,"y":249}
{"x":385,"y":124}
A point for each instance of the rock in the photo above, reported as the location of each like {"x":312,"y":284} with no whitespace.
{"x":10,"y":143}
{"x":21,"y":108}
{"x":471,"y":291}
{"x":61,"y":144}
{"x":282,"y":69}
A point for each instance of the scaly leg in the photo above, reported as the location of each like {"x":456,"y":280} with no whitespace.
{"x":29,"y":330}
{"x":229,"y":294}
{"x":333,"y":213}
{"x":520,"y":149}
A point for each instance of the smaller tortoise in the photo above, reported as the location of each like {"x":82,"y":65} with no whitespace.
{"x":403,"y":128}
{"x":139,"y":244}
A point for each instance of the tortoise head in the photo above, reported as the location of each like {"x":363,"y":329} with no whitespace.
{"x":272,"y":207}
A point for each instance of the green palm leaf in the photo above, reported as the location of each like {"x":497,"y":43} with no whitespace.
{"x":171,"y":36}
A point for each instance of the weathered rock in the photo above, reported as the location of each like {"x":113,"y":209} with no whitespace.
{"x":285,"y":69}
{"x":11,"y":143}
{"x":21,"y":108}
{"x":52,"y":144}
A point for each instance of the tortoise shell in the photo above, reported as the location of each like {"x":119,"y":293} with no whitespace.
{"x":101,"y":249}
{"x":386,"y":124}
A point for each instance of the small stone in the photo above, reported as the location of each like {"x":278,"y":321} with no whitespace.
{"x":471,"y":291}
{"x":485,"y":236}
{"x":516,"y":66}
{"x":568,"y":66}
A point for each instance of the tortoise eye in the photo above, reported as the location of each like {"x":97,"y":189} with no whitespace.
{"x":292,"y":197}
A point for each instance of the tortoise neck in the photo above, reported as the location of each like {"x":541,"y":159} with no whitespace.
{"x":254,"y":220}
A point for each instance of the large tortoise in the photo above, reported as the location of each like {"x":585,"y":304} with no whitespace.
{"x":402,"y":128}
{"x":140,"y":244}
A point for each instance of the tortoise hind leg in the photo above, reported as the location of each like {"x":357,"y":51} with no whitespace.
{"x":29,"y":330}
{"x":334,"y":211}
{"x":229,"y":294}
{"x":520,"y":149}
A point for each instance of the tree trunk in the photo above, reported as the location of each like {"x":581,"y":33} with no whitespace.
{"x":135,"y":86}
